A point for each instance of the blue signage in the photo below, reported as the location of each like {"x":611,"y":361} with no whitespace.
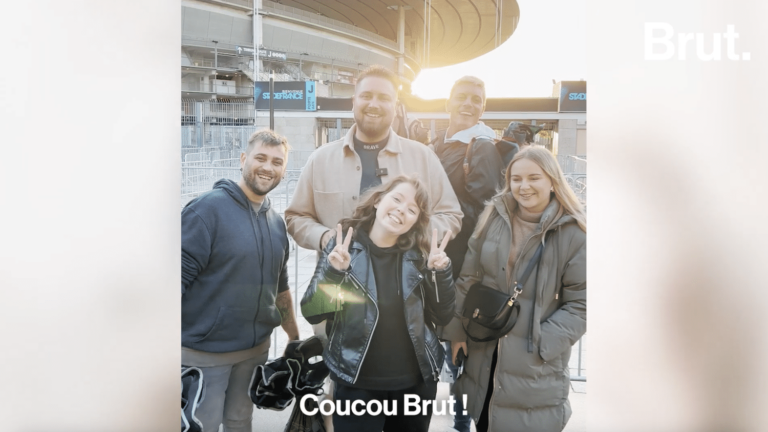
{"x":289,"y":95}
{"x":577,"y":96}
{"x":573,"y":96}
{"x":311,"y":96}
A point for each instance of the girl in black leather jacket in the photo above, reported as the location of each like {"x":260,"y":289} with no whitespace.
{"x":383,"y":288}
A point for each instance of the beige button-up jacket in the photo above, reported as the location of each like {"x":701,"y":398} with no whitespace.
{"x":329,"y":186}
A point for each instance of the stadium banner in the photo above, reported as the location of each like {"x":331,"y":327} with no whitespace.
{"x":290,"y":95}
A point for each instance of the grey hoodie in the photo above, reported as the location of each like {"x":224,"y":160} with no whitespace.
{"x":233,"y":264}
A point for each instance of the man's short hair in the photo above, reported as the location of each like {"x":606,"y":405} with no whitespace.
{"x":469,"y":80}
{"x":267,"y":137}
{"x":381,"y":72}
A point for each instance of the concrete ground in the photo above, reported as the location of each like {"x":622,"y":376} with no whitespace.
{"x":301,"y":268}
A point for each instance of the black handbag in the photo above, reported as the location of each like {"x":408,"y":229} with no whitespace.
{"x":493,"y":312}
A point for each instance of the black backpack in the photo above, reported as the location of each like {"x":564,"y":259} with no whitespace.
{"x":507,"y":147}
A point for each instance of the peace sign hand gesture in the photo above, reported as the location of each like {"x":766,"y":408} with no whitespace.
{"x":438,"y":260}
{"x":339,"y":257}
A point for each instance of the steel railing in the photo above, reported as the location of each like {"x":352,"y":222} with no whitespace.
{"x":575,"y":171}
{"x":211,"y":87}
{"x":580,"y":369}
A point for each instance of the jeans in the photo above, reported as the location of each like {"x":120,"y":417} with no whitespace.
{"x":460,"y":421}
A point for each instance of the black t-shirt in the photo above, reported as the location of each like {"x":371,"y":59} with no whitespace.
{"x":369,"y":154}
{"x":390,"y":363}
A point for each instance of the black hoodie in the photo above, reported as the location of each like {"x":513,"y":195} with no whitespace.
{"x":233,"y":264}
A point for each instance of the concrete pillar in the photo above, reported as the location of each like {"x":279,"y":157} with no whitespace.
{"x":566,"y":137}
{"x":257,"y":38}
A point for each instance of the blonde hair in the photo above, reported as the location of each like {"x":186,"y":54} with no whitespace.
{"x":562,"y":191}
{"x":468,"y":79}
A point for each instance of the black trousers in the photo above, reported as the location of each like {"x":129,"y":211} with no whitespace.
{"x":381,"y":422}
{"x":482,"y":422}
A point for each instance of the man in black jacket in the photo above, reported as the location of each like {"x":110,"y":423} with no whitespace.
{"x":234,"y":288}
{"x":465,"y":105}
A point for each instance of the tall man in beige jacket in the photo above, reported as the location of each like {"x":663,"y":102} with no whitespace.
{"x":338,"y":173}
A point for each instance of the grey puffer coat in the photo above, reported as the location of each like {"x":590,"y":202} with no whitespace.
{"x":530,"y":388}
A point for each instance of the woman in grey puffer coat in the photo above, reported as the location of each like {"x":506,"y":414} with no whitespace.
{"x":520,"y":382}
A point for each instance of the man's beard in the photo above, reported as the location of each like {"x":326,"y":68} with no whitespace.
{"x":251,"y":180}
{"x":370,"y":129}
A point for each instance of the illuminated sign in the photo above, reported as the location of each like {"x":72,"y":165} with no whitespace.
{"x":573,"y":96}
{"x":292,"y":95}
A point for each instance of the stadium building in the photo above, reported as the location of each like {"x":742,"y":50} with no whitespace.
{"x":314,"y":51}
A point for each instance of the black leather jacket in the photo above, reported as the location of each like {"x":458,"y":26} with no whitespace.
{"x":429,"y":299}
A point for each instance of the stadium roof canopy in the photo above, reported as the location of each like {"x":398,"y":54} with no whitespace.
{"x":459,"y":30}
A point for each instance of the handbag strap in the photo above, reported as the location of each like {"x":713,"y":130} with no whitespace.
{"x":531,"y":264}
{"x":518,"y":287}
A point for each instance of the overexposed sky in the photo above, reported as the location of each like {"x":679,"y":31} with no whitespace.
{"x":549,"y":43}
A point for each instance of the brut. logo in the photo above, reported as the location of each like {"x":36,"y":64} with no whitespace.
{"x":708,"y":47}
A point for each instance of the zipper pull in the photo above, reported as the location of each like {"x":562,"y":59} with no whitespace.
{"x":348,"y":277}
{"x":434,"y":281}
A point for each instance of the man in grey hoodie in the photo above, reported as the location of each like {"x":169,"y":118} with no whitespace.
{"x":234,"y":288}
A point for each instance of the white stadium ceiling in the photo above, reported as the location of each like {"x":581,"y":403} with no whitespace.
{"x":459,"y":30}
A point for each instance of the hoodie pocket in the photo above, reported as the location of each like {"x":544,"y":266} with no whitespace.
{"x":270,"y":316}
{"x":230,"y":324}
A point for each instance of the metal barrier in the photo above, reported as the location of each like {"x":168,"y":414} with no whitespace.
{"x":578,"y":183}
{"x":573,"y":163}
{"x":580,"y":369}
{"x":575,"y":171}
{"x":199,"y":172}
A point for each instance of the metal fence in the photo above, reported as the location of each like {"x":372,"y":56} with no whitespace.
{"x":216,"y":113}
{"x":573,"y":164}
{"x":201,"y":170}
{"x":577,"y":364}
{"x":578,"y":183}
{"x":575,"y":170}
